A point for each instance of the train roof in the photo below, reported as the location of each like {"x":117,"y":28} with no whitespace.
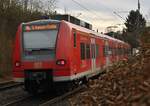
{"x":43,"y":21}
{"x":92,"y":32}
{"x":106,"y":36}
{"x":71,"y":25}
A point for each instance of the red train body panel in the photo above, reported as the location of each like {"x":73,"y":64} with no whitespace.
{"x":76,"y":52}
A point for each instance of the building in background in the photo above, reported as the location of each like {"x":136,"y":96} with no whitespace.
{"x":148,"y":23}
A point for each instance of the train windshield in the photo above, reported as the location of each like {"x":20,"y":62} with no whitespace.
{"x":39,"y":43}
{"x":40,"y":39}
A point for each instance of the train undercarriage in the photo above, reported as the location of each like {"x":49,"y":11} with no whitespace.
{"x":37,"y":81}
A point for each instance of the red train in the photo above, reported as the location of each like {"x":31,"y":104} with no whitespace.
{"x":51,"y":51}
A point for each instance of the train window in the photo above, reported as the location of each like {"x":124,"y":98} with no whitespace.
{"x":93,"y":51}
{"x":112,"y":51}
{"x":106,"y":50}
{"x":40,"y":39}
{"x":39,"y":44}
{"x":103,"y":51}
{"x":97,"y":50}
{"x":87,"y":51}
{"x":123,"y":51}
{"x":115,"y":51}
{"x":82,"y":51}
{"x":120,"y":51}
{"x":74,"y":38}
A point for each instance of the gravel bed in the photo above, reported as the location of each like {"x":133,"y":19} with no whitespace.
{"x":12,"y":94}
{"x":62,"y":103}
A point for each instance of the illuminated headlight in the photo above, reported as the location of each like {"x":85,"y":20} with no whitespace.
{"x":17,"y":64}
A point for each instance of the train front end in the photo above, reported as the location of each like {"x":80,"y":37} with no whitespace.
{"x":34,"y":54}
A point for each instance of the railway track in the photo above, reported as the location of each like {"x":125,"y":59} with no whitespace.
{"x":62,"y":97}
{"x":8,"y":85}
{"x":43,"y":99}
{"x":17,"y":101}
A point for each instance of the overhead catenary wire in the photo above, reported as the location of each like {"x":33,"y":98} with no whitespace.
{"x":119,"y":16}
{"x":115,"y":13}
{"x":95,"y":13}
{"x":80,"y":5}
{"x":88,"y":10}
{"x":111,"y":10}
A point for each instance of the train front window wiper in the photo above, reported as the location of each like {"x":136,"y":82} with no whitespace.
{"x":38,"y":49}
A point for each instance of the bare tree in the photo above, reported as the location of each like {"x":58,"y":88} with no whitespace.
{"x":12,"y":13}
{"x":50,"y":6}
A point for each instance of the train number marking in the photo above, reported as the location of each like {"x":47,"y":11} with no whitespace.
{"x":37,"y":65}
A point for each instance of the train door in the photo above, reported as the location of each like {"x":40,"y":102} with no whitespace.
{"x":93,"y":53}
{"x":75,"y":52}
{"x":107,"y":53}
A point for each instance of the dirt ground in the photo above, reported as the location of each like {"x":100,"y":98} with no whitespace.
{"x":6,"y":78}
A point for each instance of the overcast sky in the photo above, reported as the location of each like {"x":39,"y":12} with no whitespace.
{"x":100,"y":12}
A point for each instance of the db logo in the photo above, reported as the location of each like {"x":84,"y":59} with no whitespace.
{"x":37,"y":65}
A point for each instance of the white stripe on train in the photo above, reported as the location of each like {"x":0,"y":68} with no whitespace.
{"x":88,"y":74}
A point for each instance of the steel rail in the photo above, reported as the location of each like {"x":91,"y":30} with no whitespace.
{"x":62,"y":97}
{"x":9,"y":84}
{"x":16,"y":101}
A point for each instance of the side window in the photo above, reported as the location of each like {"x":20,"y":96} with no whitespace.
{"x":109,"y":49}
{"x":121,"y":51}
{"x":74,"y":39}
{"x":87,"y":51}
{"x":117,"y":51}
{"x":93,"y":51}
{"x":82,"y":51}
{"x":112,"y":51}
{"x":104,"y":51}
{"x":97,"y":50}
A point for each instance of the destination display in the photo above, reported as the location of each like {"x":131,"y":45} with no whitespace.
{"x":40,"y":27}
